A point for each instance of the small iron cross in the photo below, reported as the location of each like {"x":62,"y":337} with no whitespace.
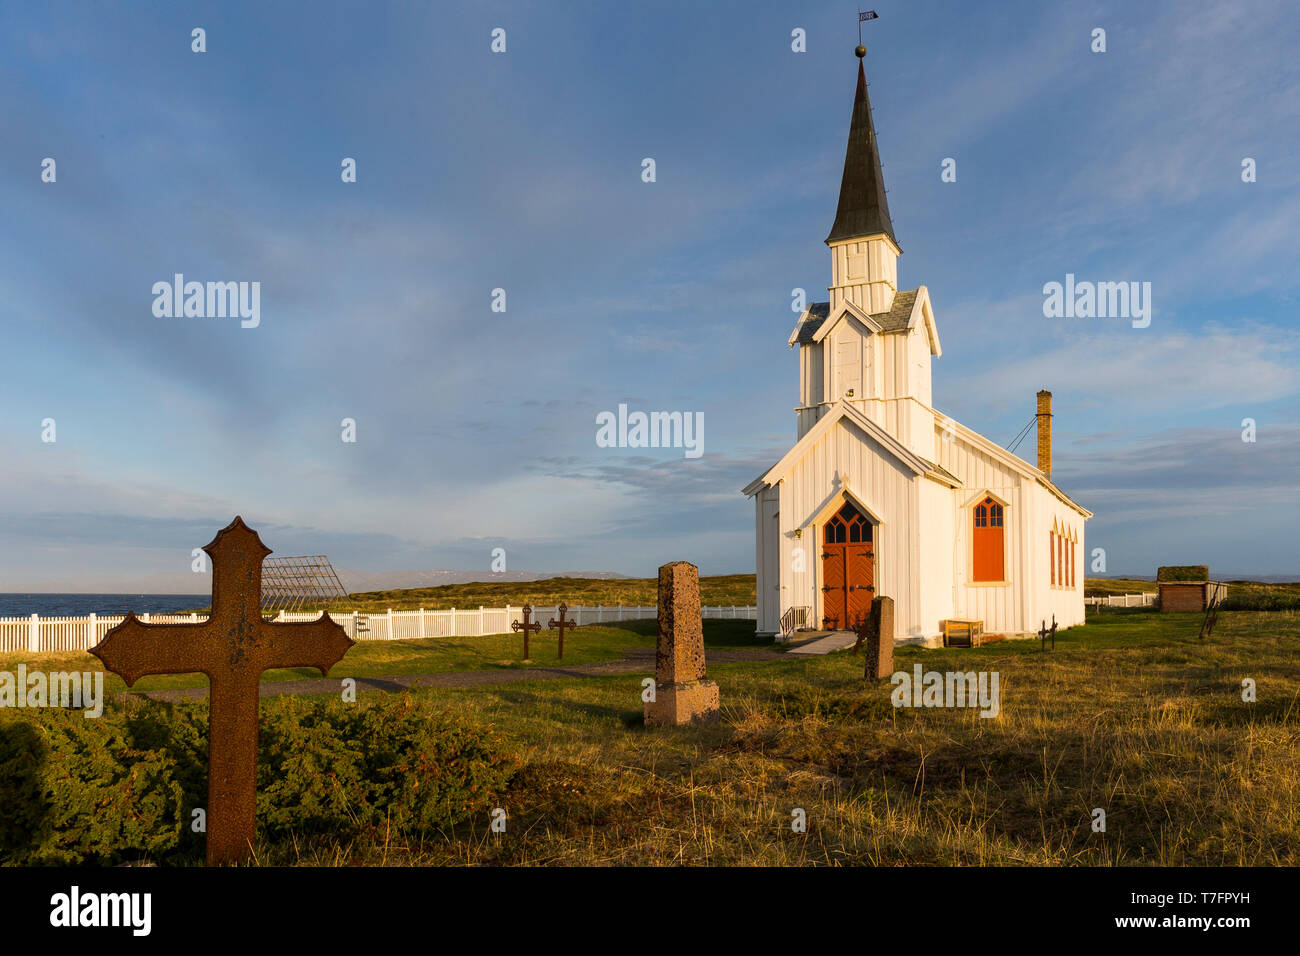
{"x":526,"y":627}
{"x":1047,"y":632}
{"x":233,"y":647}
{"x":562,"y":625}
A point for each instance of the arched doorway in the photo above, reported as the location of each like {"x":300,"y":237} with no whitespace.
{"x":848,"y":568}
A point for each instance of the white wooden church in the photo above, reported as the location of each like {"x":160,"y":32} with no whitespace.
{"x":882,"y":494}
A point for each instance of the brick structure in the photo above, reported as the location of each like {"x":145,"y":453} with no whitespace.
{"x":1188,"y":587}
{"x":1044,"y":417}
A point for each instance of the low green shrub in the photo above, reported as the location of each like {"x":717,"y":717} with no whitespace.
{"x":339,"y":769}
{"x":1260,"y":600}
{"x":80,"y":791}
{"x":123,"y":786}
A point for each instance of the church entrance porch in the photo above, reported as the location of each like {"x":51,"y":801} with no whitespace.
{"x":848,"y":568}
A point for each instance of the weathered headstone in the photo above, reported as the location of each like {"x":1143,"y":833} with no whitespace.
{"x":232,"y":648}
{"x":682,"y":694}
{"x":876,"y":638}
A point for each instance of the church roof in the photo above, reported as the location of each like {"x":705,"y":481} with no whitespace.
{"x":863,"y":208}
{"x":895,"y":320}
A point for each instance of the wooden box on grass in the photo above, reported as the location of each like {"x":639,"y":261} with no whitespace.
{"x":960,"y":632}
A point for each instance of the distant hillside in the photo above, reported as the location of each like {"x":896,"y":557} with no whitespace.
{"x":718,"y":589}
{"x":1101,"y":587}
{"x":1214,"y":576}
{"x":721,"y":589}
{"x":355,"y":581}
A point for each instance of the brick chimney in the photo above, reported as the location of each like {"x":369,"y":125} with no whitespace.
{"x":1045,"y":432}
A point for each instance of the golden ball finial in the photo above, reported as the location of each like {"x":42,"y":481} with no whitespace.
{"x":861,"y":51}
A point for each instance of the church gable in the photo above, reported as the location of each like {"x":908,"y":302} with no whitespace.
{"x":900,"y":317}
{"x":860,"y":429}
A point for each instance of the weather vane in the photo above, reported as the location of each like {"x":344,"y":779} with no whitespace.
{"x":861,"y":51}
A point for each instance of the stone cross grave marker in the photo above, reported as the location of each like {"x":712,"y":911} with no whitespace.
{"x":561,"y":625}
{"x":526,"y":626}
{"x":876,"y":635}
{"x":682,"y":695}
{"x":233,"y":647}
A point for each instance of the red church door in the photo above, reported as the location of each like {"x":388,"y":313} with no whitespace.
{"x":848,"y":569}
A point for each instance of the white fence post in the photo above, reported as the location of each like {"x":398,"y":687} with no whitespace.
{"x":58,"y":633}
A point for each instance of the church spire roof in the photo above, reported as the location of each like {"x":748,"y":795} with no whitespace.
{"x":863,"y":209}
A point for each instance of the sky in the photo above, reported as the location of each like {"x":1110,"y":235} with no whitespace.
{"x":523,"y":171}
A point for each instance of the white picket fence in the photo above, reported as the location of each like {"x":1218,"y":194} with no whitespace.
{"x":1123,"y":600}
{"x":38,"y":634}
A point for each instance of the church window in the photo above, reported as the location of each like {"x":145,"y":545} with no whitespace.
{"x":1051,"y":549}
{"x":847,"y":525}
{"x":988,"y":542}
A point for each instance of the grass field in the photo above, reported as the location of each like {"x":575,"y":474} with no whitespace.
{"x":589,"y":644}
{"x":1130,"y":714}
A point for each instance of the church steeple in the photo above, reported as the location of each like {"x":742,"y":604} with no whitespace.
{"x":864,"y":252}
{"x":863,"y":210}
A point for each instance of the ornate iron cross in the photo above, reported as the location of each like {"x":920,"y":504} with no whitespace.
{"x":526,"y":627}
{"x":562,"y":625}
{"x":232,"y":648}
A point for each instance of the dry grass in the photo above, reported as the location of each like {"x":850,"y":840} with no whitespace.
{"x":725,"y":589}
{"x":1130,"y":714}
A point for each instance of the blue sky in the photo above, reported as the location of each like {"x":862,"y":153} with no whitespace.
{"x":522,"y":171}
